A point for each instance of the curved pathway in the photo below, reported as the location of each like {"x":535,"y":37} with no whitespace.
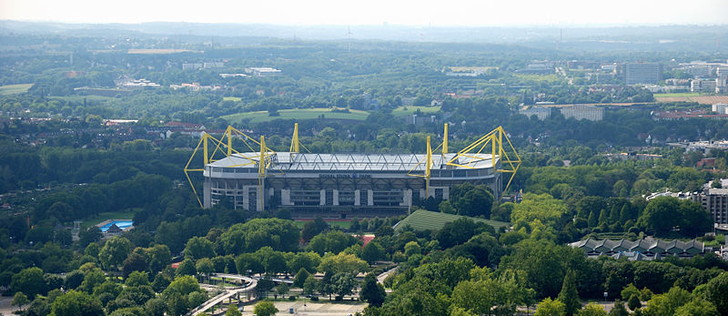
{"x":251,"y":284}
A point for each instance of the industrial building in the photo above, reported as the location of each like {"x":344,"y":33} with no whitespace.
{"x":642,"y":73}
{"x":348,"y":185}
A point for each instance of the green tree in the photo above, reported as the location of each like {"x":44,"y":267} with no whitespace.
{"x":343,"y":284}
{"x":233,"y":311}
{"x":307,"y":260}
{"x":187,"y":267}
{"x":137,"y":278}
{"x":76,"y":303}
{"x":668,"y":303}
{"x":313,"y":228}
{"x":569,"y":295}
{"x":115,"y":250}
{"x":29,"y":281}
{"x":618,"y":309}
{"x":205,"y":267}
{"x":342,"y":263}
{"x":279,"y":234}
{"x":549,"y":307}
{"x":300,"y":277}
{"x":592,"y":309}
{"x":628,"y":291}
{"x":373,"y":251}
{"x":265,"y":308}
{"x":249,"y":263}
{"x":332,"y":242}
{"x":20,"y":299}
{"x":461,"y":230}
{"x":372,"y":292}
{"x":715,"y":292}
{"x":199,"y":247}
{"x":542,"y":207}
{"x":697,"y":307}
{"x":592,"y":220}
{"x":182,"y":285}
{"x":634,"y":302}
{"x":134,"y":262}
{"x":311,"y":285}
{"x":159,"y":256}
{"x":412,"y":248}
{"x":477,"y":201}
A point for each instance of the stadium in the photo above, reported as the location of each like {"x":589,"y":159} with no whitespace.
{"x":345,"y":185}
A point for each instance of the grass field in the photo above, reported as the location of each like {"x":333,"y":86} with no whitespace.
{"x":407,"y":110}
{"x":676,"y":95}
{"x":125,"y":214}
{"x":235,"y":99}
{"x":424,"y":220}
{"x":333,"y":224}
{"x":14,"y":88}
{"x":297,"y":114}
{"x":80,"y":98}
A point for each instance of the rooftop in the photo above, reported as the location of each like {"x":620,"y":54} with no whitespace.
{"x":285,"y":161}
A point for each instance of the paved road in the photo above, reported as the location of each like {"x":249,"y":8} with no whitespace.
{"x":252,"y":283}
{"x":381,"y":277}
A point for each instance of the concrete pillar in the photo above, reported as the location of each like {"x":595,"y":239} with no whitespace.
{"x":357,"y":197}
{"x":286,"y":197}
{"x":407,"y":198}
{"x":336,"y":197}
{"x":207,"y":194}
{"x":370,"y":197}
{"x":446,"y":193}
{"x":246,"y":197}
{"x":322,"y":199}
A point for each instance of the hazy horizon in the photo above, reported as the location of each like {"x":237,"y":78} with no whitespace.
{"x":458,"y":13}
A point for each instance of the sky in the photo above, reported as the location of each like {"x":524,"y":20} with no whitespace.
{"x":375,"y":12}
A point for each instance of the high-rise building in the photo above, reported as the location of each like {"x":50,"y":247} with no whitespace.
{"x":715,"y":202}
{"x":637,"y":73}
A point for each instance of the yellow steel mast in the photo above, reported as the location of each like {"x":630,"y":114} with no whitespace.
{"x":261,"y":174}
{"x":444,"y":139}
{"x":509,"y":160}
{"x":295,"y":144}
{"x":428,"y":166}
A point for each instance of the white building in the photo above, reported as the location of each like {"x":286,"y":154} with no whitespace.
{"x":583,"y":112}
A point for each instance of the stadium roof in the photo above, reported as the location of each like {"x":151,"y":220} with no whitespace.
{"x":285,"y":161}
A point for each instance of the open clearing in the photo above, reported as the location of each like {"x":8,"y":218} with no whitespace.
{"x":15,"y":88}
{"x":694,"y":97}
{"x":125,"y":214}
{"x":407,"y":110}
{"x":297,"y":114}
{"x":426,"y":220}
{"x":324,"y":308}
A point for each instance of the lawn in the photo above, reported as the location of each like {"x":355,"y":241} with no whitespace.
{"x":424,"y":220}
{"x":336,"y":224}
{"x":297,"y":114}
{"x":14,"y":88}
{"x":407,"y":110}
{"x":676,"y":95}
{"x":125,"y":214}
{"x":235,"y":99}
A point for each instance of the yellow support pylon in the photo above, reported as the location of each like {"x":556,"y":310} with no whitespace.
{"x":223,"y":146}
{"x":444,"y":139}
{"x":295,"y":144}
{"x":509,"y":162}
